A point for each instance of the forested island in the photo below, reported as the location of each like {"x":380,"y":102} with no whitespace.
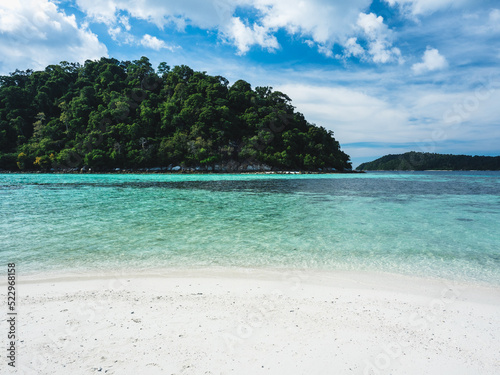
{"x":420,"y":161}
{"x":107,"y":115}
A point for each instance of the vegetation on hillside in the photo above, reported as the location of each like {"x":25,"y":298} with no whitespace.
{"x":419,"y":161}
{"x":110,"y":114}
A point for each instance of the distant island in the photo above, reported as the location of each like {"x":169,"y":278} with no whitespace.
{"x":110,"y":115}
{"x":420,"y":161}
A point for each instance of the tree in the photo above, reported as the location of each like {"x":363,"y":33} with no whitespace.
{"x":163,"y":69}
{"x":109,"y":113}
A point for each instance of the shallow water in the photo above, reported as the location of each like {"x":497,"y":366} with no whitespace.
{"x":437,"y":224}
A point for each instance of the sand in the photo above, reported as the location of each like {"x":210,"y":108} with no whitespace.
{"x":253,"y":322}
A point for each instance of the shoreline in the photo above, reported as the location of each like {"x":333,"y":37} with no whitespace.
{"x":369,"y":275}
{"x":185,"y":172}
{"x":246,"y":321}
{"x":339,"y":277}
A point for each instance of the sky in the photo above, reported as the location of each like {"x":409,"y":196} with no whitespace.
{"x":386,"y":76}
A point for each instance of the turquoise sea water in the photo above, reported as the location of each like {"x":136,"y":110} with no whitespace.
{"x":439,"y":224}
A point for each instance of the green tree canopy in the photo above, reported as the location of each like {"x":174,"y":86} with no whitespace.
{"x":110,"y":114}
{"x":421,"y":161}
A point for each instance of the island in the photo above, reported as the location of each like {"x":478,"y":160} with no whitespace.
{"x":421,"y":161}
{"x":110,"y":115}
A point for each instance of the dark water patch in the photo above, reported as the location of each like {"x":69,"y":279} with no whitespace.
{"x":391,"y":188}
{"x":12,"y":187}
{"x":486,"y":210}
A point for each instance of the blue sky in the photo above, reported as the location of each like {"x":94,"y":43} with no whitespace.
{"x":387,"y":76}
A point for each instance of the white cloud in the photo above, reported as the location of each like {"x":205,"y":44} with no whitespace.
{"x":372,"y":29}
{"x":352,"y":114}
{"x":124,"y":37}
{"x":120,"y":36}
{"x":35,"y":33}
{"x":154,"y":43}
{"x":125,"y":22}
{"x":114,"y":32}
{"x":432,"y":60}
{"x":425,"y":118}
{"x":352,"y":48}
{"x":244,"y":36}
{"x":205,"y":14}
{"x":372,"y":25}
{"x":102,"y":11}
{"x":309,"y":42}
{"x":382,"y":53}
{"x":421,"y":7}
{"x":324,"y":50}
{"x":379,"y":36}
{"x":324,"y":22}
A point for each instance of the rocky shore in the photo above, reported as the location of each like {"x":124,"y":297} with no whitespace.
{"x":230,"y":167}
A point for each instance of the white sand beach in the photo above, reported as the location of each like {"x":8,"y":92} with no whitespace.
{"x":254,"y":322}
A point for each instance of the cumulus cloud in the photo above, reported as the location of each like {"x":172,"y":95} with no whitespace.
{"x":244,"y":36}
{"x":379,"y":37}
{"x":372,"y":25}
{"x":205,"y":14}
{"x":154,"y":43}
{"x":432,"y":60}
{"x":122,"y":37}
{"x":379,"y":46}
{"x":352,"y":48}
{"x":324,"y":22}
{"x":125,"y":22}
{"x":35,"y":33}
